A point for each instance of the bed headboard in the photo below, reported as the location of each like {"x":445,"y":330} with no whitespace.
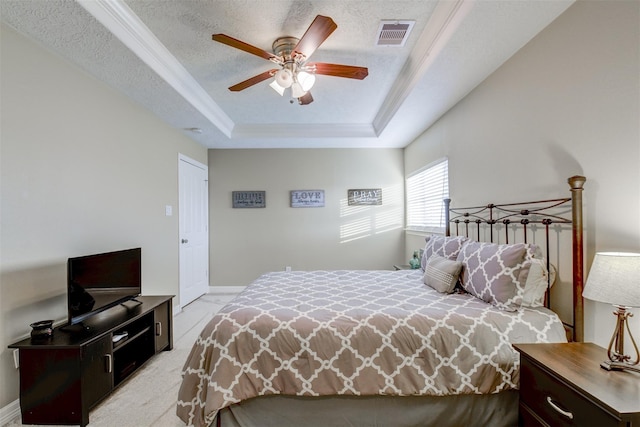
{"x":531,"y":222}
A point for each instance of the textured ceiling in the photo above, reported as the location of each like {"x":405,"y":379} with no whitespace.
{"x":160,"y":53}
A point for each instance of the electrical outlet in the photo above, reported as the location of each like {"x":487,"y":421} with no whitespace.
{"x":287,"y":268}
{"x":16,"y":358}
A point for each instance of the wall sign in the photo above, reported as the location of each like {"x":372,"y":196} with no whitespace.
{"x":365,"y":197}
{"x":249,"y":199}
{"x":307,"y":198}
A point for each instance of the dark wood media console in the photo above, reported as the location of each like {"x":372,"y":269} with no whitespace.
{"x":63,"y":377}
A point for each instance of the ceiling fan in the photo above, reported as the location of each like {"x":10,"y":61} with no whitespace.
{"x":292,"y":54}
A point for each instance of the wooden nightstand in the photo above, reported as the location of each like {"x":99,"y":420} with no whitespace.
{"x":563,"y":385}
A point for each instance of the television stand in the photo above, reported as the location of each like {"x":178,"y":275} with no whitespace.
{"x":63,"y":377}
{"x":76,"y":328}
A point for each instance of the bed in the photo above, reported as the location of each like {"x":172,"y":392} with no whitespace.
{"x":431,"y":346}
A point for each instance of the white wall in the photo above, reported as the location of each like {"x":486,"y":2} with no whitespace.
{"x":565,"y":104}
{"x":246,"y":243}
{"x":83,"y":170}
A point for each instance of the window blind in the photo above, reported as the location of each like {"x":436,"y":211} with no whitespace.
{"x":426,"y":189}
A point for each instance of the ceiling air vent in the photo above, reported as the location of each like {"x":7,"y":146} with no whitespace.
{"x":394,"y":33}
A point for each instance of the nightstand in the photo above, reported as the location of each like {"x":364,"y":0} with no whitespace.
{"x":401,"y":267}
{"x":563,"y":385}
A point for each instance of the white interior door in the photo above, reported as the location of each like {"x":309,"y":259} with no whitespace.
{"x":193,"y":211}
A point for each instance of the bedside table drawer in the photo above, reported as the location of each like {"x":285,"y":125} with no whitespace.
{"x":555,"y":403}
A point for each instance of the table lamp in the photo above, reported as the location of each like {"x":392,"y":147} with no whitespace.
{"x":614,"y":278}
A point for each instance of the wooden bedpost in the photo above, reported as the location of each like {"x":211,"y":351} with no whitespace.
{"x":447,"y":226}
{"x":576,"y":183}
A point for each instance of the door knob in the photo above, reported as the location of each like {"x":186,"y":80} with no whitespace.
{"x":185,"y":241}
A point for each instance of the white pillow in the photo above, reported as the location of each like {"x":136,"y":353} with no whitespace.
{"x":535,"y":287}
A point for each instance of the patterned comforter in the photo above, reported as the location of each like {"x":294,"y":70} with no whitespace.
{"x":354,"y":333}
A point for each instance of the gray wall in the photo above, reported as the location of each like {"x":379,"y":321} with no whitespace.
{"x":248,"y":242}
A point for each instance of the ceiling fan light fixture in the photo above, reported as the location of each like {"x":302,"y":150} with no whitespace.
{"x":275,"y":86}
{"x":284,"y":78}
{"x":306,"y":80}
{"x":291,"y":54}
{"x":297,"y":91}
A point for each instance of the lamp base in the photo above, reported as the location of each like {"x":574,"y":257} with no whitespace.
{"x":611,"y":365}
{"x":618,"y":360}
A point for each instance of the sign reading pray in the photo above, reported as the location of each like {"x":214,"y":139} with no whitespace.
{"x":365,"y":197}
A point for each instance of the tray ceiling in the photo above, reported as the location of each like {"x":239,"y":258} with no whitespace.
{"x":160,"y":54}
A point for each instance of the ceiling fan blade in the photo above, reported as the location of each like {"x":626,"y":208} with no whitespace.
{"x":305,"y":99}
{"x":252,"y":81}
{"x":318,"y":31}
{"x":238,"y":44}
{"x":339,"y":70}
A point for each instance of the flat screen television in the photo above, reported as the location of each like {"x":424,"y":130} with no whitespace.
{"x":101,"y":281}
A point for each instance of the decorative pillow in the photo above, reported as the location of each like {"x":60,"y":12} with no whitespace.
{"x":445,"y":246}
{"x":496,"y":273}
{"x":538,"y":279}
{"x":442,"y":273}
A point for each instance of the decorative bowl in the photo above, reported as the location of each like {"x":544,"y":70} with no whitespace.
{"x":42,"y":329}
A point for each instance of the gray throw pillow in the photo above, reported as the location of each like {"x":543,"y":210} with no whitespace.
{"x":441,"y":273}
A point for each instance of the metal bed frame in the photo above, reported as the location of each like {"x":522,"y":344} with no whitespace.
{"x":524,"y":219}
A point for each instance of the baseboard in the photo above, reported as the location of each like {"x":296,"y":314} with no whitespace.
{"x":225,"y":290}
{"x":10,"y":412}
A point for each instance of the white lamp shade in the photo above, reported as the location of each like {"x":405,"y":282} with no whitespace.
{"x":284,"y":78}
{"x":306,"y":80}
{"x":614,"y":278}
{"x":274,"y":84}
{"x":297,"y":91}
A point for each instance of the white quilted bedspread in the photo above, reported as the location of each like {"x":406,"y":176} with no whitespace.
{"x":354,"y":333}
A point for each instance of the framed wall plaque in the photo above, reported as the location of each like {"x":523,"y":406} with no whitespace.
{"x":307,"y":198}
{"x":249,"y":199}
{"x":365,"y":197}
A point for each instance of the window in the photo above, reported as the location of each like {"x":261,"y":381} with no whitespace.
{"x":426,"y":190}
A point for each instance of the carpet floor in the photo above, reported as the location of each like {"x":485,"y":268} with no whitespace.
{"x":148,"y":397}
